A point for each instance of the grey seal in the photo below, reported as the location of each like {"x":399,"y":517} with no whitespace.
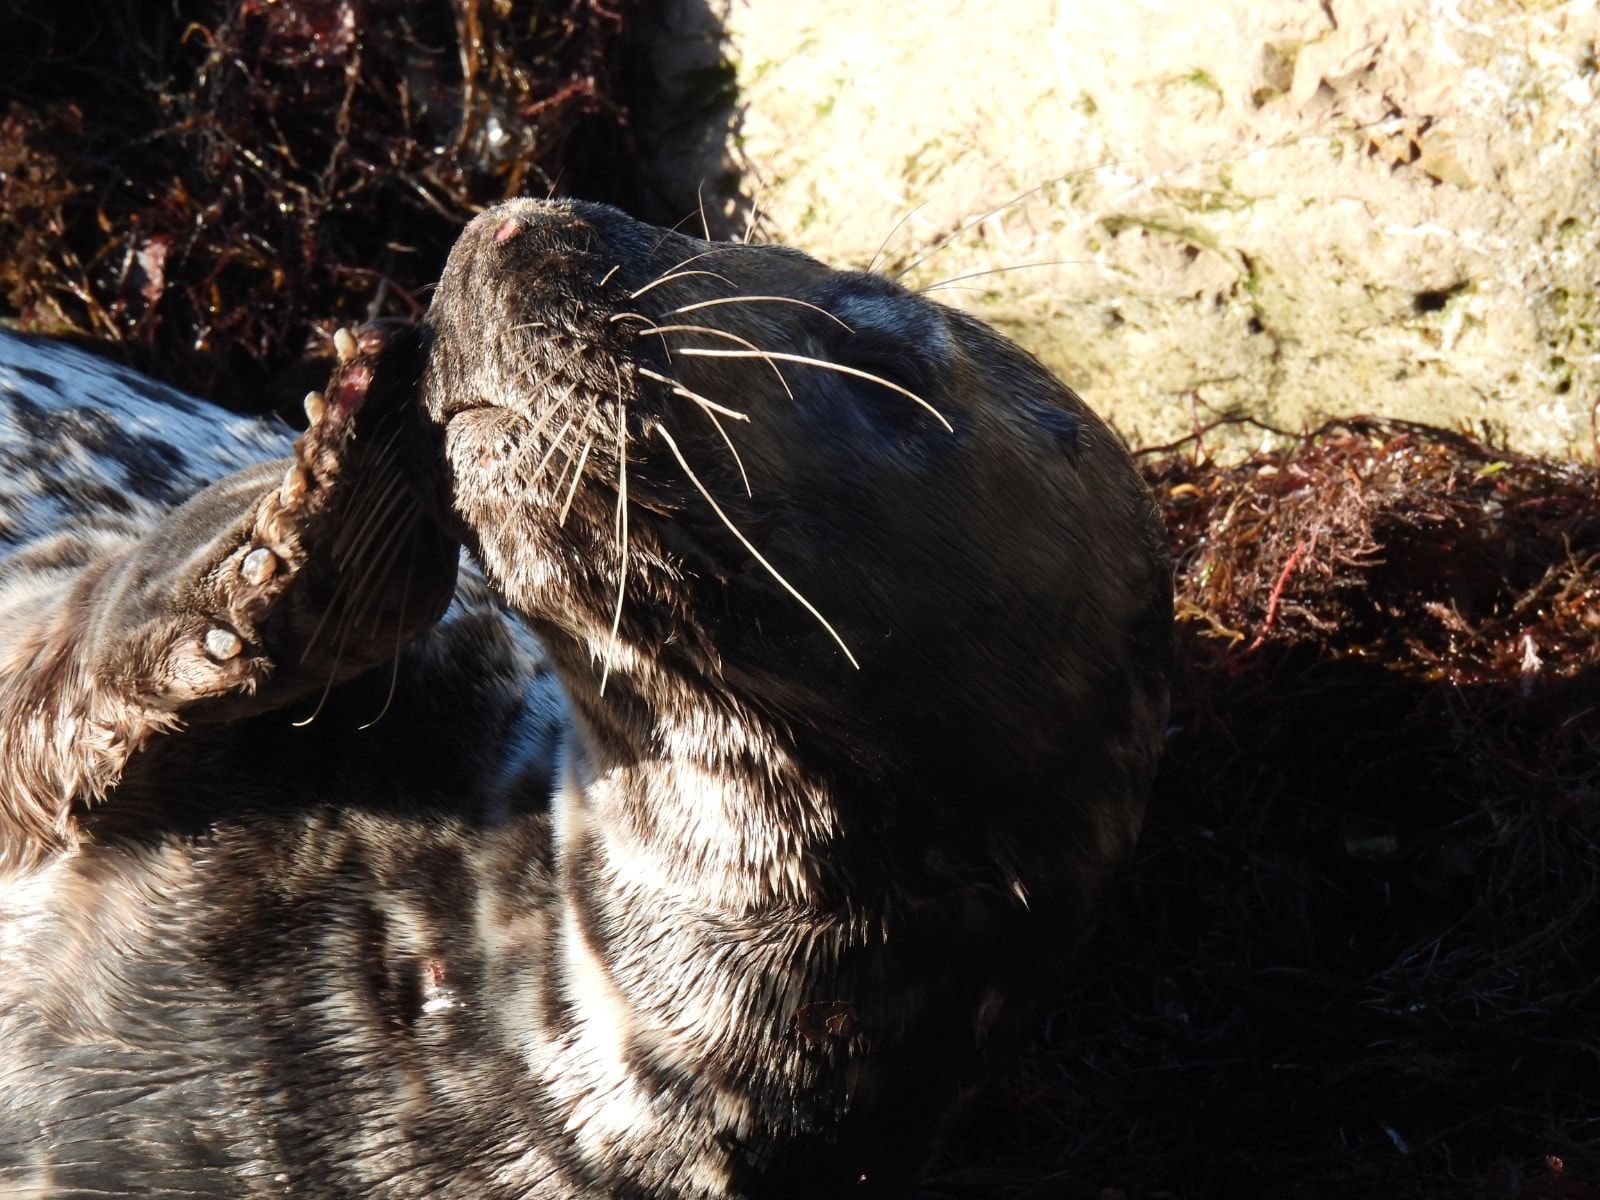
{"x":865,"y":622}
{"x":722,"y":839}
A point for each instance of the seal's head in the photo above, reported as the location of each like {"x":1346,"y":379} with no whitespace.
{"x":735,"y":487}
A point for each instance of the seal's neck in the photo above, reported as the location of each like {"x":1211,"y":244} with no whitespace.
{"x":703,"y":806}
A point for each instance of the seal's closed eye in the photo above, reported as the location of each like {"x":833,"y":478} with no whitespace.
{"x":890,"y":356}
{"x":1060,"y":423}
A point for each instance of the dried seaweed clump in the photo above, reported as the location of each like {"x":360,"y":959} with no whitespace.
{"x":1359,"y":953}
{"x":1405,"y":545}
{"x":210,"y":182}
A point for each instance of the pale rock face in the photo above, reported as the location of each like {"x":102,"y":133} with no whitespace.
{"x":1286,"y":208}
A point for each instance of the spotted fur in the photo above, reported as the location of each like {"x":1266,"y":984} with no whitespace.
{"x":865,"y":621}
{"x":674,"y":901}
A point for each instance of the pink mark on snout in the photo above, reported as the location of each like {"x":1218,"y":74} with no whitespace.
{"x":507,"y":229}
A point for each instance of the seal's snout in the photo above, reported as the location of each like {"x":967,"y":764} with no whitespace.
{"x":542,"y":225}
{"x":523,"y":256}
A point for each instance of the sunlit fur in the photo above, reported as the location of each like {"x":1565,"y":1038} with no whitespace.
{"x":740,"y":882}
{"x":874,"y":720}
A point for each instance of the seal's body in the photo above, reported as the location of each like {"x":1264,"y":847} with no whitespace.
{"x":860,"y":631}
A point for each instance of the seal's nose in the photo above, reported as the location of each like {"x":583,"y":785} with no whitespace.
{"x":514,"y":218}
{"x":528,"y":244}
{"x":525,"y":226}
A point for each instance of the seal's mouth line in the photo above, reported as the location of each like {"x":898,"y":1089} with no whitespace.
{"x":452,"y":408}
{"x":546,"y":399}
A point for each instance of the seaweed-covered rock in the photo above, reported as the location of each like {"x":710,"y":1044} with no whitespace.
{"x":1295,"y":209}
{"x":1357,"y":953}
{"x":213,"y":183}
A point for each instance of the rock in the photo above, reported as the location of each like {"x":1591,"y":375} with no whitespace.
{"x":1282,"y":208}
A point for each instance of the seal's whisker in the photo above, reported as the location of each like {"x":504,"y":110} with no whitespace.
{"x":678,"y":266}
{"x":1055,"y":262}
{"x":367,"y":511}
{"x":543,"y":382}
{"x":668,"y":231}
{"x":825,"y":365}
{"x":361,"y":598}
{"x":622,"y":538}
{"x":615,"y":317}
{"x":369,"y":590}
{"x":649,"y":327}
{"x":537,"y":427}
{"x":577,"y":477}
{"x":372,"y":568}
{"x":606,"y":278}
{"x":399,"y":644}
{"x":568,"y":461}
{"x":750,"y":225}
{"x":974,"y":222}
{"x":364,"y":512}
{"x":895,"y":228}
{"x":655,"y":283}
{"x":381,"y":459}
{"x":702,"y":401}
{"x":689,"y":308}
{"x":750,"y":546}
{"x":371,"y":509}
{"x":333,"y":674}
{"x":519,"y":329}
{"x":726,"y":440}
{"x":364,"y":505}
{"x":561,"y":436}
{"x":556,"y":407}
{"x":335,"y":603}
{"x":550,"y":373}
{"x":700,"y":199}
{"x":755,"y":350}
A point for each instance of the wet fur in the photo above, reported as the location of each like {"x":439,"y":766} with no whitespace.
{"x":746,"y":922}
{"x":103,"y":622}
{"x":861,"y":883}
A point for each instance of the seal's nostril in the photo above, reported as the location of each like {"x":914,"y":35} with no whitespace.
{"x":507,"y":229}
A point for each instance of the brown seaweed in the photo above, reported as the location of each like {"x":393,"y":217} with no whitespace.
{"x":215,"y":185}
{"x":1359,"y":952}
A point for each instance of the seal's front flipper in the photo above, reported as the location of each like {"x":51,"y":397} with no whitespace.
{"x":291,"y":576}
{"x":277,"y":581}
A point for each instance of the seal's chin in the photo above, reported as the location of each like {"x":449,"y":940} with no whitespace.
{"x":482,"y":421}
{"x":482,"y":445}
